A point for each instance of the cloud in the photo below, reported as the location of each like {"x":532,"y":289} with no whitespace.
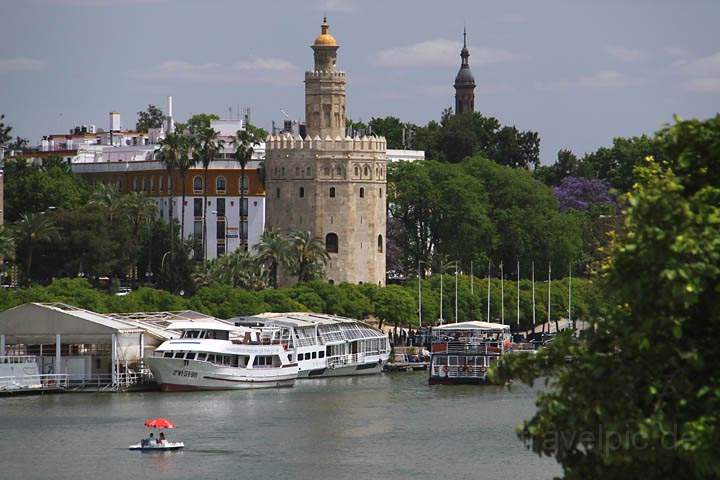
{"x":275,"y":71}
{"x":437,"y":53}
{"x":703,"y":85}
{"x":99,"y":3}
{"x":703,"y":73}
{"x":605,"y":79}
{"x":676,"y":52}
{"x":625,"y":54}
{"x":20,"y":64}
{"x":709,"y":65}
{"x":337,"y":6}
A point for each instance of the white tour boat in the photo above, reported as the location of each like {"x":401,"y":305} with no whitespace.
{"x":215,"y":355}
{"x":325,"y":345}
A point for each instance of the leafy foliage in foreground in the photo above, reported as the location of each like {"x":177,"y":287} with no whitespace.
{"x":639,"y":396}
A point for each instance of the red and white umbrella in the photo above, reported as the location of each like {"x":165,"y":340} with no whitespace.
{"x":159,"y":423}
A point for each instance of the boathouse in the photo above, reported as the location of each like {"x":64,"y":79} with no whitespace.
{"x":90,"y":348}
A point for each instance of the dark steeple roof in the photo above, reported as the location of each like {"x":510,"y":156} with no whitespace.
{"x":464,"y":76}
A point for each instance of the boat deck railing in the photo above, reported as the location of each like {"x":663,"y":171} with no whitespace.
{"x":458,"y":371}
{"x":39,"y":382}
{"x":15,"y":359}
{"x":343,"y":360}
{"x":463,"y":347}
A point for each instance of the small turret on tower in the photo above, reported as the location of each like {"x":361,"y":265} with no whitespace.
{"x":325,"y":89}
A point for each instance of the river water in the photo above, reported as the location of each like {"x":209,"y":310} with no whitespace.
{"x":375,"y":427}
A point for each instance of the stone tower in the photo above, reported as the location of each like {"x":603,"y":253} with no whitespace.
{"x":464,"y":83}
{"x":328,"y":183}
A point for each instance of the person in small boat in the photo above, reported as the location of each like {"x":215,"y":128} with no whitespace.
{"x":147,"y":441}
{"x":161,"y":440}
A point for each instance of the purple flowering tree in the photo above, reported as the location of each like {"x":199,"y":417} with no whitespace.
{"x":580,"y":193}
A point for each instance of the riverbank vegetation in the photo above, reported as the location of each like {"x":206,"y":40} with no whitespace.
{"x":638,"y":395}
{"x":395,"y":305}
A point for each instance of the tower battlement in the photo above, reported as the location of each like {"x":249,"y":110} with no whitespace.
{"x":310,"y":75}
{"x":287,"y":141}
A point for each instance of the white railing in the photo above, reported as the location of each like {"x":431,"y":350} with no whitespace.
{"x":18,"y":359}
{"x":47,"y":381}
{"x":344,"y":360}
{"x":458,"y":371}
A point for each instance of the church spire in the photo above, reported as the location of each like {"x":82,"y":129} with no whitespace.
{"x":464,"y":82}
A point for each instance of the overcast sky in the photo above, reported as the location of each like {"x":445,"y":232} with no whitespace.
{"x":578,"y":72}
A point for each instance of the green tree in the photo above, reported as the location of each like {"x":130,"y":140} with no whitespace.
{"x":640,"y":397}
{"x":397,"y":133}
{"x":152,"y":117}
{"x":30,"y":231}
{"x":307,"y":256}
{"x":34,"y":189}
{"x":5,"y":130}
{"x":140,"y":212}
{"x":273,"y":252}
{"x":396,"y":305}
{"x":107,"y":195}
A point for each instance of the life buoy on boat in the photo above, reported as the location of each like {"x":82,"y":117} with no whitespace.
{"x":446,"y":369}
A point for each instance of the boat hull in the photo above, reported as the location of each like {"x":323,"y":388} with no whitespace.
{"x":174,"y":375}
{"x":169,"y":446}
{"x":344,"y":371}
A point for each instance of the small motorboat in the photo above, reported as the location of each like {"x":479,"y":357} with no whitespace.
{"x":159,"y":443}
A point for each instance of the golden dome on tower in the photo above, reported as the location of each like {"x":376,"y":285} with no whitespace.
{"x":325,"y":39}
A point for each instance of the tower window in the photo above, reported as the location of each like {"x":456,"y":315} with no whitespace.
{"x":362,"y":192}
{"x":332,"y":192}
{"x":302,"y":192}
{"x":381,"y":193}
{"x":277,"y":192}
{"x":357,"y":171}
{"x":366,"y":171}
{"x":380,"y":244}
{"x":331,"y":243}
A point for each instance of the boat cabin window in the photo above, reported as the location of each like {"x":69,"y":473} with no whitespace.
{"x":321,"y":354}
{"x":211,"y":358}
{"x":209,"y":334}
{"x":314,"y":354}
{"x":266,"y":361}
{"x":190,"y":356}
{"x":179,"y":354}
{"x":168,"y":354}
{"x":301,"y":356}
{"x":202,"y":356}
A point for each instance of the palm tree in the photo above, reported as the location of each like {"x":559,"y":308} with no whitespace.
{"x":273,"y":251}
{"x":308,"y":255}
{"x":239,"y":269}
{"x":170,"y":151}
{"x":7,"y":243}
{"x":139,"y":211}
{"x":185,"y":162}
{"x":107,"y":195}
{"x":208,"y":146}
{"x":244,"y":142}
{"x":32,"y":229}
